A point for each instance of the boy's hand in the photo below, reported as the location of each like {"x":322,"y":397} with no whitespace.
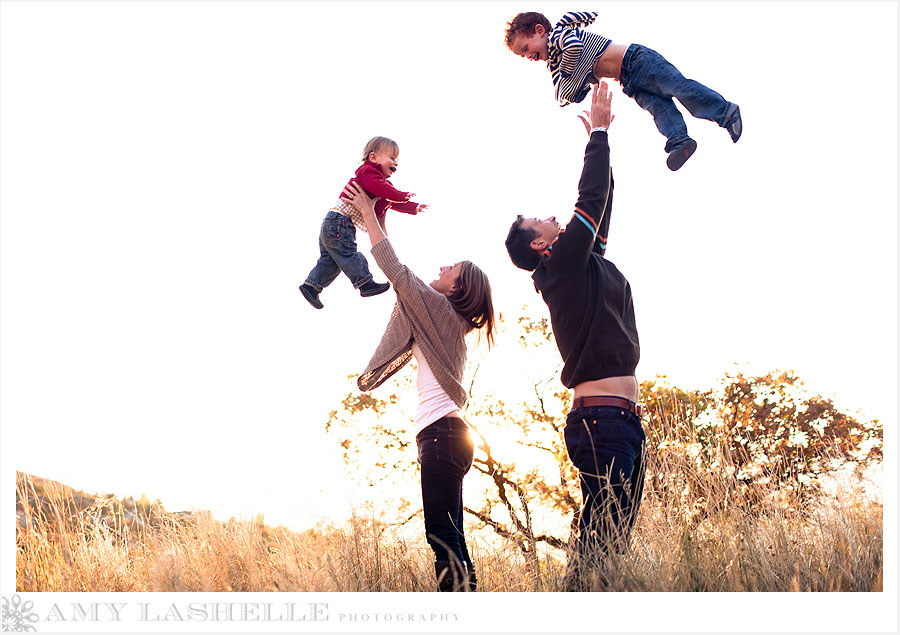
{"x":600,"y":114}
{"x":421,"y":208}
{"x":410,"y":196}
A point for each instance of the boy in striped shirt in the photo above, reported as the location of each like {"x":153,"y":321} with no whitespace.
{"x":577,"y":58}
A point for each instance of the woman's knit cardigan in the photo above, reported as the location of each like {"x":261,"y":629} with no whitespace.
{"x":422,"y":315}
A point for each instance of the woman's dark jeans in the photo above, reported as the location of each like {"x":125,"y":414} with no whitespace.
{"x":649,"y":79}
{"x":445,"y":455}
{"x":606,"y":444}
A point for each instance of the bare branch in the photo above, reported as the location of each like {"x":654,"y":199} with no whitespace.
{"x":501,"y":531}
{"x":472,"y":383}
{"x":403,"y":522}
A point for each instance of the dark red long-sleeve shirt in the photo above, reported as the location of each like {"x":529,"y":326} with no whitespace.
{"x":372,"y":180}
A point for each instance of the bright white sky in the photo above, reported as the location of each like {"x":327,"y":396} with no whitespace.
{"x":165,"y":168}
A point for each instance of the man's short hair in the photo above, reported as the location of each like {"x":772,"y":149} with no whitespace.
{"x":518,"y":245}
{"x":524,"y":24}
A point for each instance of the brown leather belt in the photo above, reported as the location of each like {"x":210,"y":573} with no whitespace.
{"x":615,"y":402}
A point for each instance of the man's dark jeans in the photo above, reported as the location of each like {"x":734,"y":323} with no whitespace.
{"x":606,"y":444}
{"x":445,"y":455}
{"x":652,"y":82}
{"x":338,"y":252}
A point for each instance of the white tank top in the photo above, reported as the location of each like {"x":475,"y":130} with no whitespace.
{"x":434,"y":403}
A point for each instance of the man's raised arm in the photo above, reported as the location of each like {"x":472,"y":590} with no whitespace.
{"x":574,"y":246}
{"x":603,"y":229}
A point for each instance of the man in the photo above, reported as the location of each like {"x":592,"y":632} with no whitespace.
{"x":592,"y":316}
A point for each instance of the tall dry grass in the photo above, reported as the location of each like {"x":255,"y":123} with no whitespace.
{"x":836,"y":547}
{"x":697,"y":530}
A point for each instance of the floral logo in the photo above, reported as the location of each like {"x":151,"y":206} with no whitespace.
{"x":17,"y":615}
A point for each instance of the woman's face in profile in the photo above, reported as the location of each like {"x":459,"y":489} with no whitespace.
{"x":446,"y":281}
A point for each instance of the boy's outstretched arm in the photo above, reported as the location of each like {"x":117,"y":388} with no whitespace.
{"x":374,"y":182}
{"x":409,"y":207}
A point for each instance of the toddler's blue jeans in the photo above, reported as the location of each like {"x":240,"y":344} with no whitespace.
{"x":338,"y":252}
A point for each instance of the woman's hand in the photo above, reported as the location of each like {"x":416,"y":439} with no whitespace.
{"x":355,"y":195}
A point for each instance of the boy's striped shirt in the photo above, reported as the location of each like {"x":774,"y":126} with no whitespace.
{"x":572,"y":53}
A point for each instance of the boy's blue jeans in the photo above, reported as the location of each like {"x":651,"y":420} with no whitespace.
{"x":445,"y":455}
{"x":606,"y":444}
{"x":338,"y":252}
{"x":652,"y":82}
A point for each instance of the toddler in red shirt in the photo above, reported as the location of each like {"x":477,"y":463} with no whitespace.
{"x":337,"y":238}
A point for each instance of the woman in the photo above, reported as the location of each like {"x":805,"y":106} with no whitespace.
{"x":430,"y":322}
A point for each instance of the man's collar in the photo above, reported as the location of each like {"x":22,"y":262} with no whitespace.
{"x":548,"y":251}
{"x":562,"y":230}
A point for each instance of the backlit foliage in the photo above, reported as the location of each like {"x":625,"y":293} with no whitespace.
{"x":748,"y":440}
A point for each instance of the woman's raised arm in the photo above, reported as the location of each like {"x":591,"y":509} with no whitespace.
{"x":354,"y":195}
{"x":401,"y":277}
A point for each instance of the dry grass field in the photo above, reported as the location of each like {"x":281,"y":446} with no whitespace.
{"x":66,"y":542}
{"x":765,"y":489}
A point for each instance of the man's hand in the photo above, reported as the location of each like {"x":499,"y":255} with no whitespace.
{"x":354,"y":195}
{"x":421,"y":208}
{"x":600,"y":114}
